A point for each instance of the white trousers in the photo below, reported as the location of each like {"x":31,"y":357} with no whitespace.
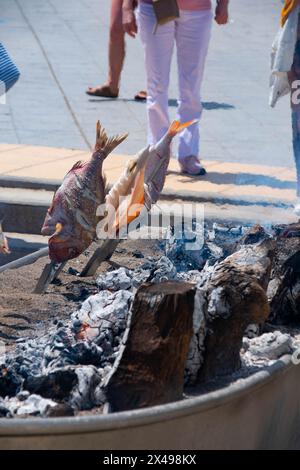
{"x":191,"y":33}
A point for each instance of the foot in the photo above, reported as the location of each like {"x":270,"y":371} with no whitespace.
{"x":104,"y":91}
{"x":141,"y":96}
{"x":192,"y":166}
{"x":297,"y":207}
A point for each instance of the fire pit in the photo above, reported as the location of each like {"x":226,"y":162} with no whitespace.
{"x":218,"y":320}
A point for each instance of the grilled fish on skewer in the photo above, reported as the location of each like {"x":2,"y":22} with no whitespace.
{"x":149,"y":181}
{"x":140,"y":185}
{"x":72,"y":220}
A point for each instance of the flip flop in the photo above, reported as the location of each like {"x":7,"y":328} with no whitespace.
{"x":141,"y":96}
{"x":103,"y":91}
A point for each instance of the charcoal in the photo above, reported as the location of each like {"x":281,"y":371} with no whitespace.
{"x":61,"y":409}
{"x":254,"y":235}
{"x":164,"y":270}
{"x":57,"y":384}
{"x":142,"y":275}
{"x":10,"y":381}
{"x":4,"y":411}
{"x":73,"y":271}
{"x":84,"y":395}
{"x":64,"y":371}
{"x":23,"y":395}
{"x":82,"y":353}
{"x":138,"y":254}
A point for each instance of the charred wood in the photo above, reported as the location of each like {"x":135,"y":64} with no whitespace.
{"x":150,"y":368}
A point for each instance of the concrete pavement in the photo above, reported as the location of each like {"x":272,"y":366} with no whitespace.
{"x":231,"y":191}
{"x":61,"y":48}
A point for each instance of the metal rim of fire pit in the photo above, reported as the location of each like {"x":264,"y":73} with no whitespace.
{"x":126,"y":419}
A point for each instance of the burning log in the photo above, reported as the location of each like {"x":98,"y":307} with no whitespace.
{"x":231,"y":297}
{"x":284,"y":288}
{"x":150,"y":367}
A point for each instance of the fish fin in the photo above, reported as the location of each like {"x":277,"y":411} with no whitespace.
{"x":78,"y":165}
{"x":107,"y":186}
{"x":107,"y":144}
{"x":176,"y":127}
{"x":137,"y":198}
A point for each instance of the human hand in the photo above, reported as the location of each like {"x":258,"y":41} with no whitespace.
{"x":129,"y":21}
{"x":221,"y":16}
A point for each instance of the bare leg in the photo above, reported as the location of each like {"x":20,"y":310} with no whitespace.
{"x":116,"y":46}
{"x":116,"y":54}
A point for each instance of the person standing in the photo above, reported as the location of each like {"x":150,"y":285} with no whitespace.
{"x":191,"y":33}
{"x":285,"y":76}
{"x":116,"y":56}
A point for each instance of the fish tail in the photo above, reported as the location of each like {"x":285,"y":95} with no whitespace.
{"x":104,"y":143}
{"x":176,"y":127}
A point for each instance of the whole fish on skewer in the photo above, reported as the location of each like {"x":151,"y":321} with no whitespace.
{"x":72,"y":219}
{"x":139,"y":186}
{"x":146,"y":177}
{"x":4,"y":248}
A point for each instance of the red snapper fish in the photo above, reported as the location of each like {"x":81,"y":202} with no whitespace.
{"x":143,"y":180}
{"x":71,"y":220}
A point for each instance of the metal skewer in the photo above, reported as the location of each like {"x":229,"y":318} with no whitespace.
{"x":49,"y":274}
{"x":103,"y":253}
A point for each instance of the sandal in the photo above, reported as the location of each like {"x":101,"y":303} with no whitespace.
{"x":141,"y":96}
{"x":103,"y":91}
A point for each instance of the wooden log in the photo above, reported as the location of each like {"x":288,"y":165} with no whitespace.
{"x":284,"y":288}
{"x":150,"y":367}
{"x":232,"y":298}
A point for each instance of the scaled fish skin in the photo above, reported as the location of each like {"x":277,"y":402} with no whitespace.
{"x":4,"y":248}
{"x":144,"y":178}
{"x":71,"y":220}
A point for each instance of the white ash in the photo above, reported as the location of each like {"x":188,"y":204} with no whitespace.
{"x":102,"y":317}
{"x":190,"y":276}
{"x":86,"y":394}
{"x":158,"y":270}
{"x":252,"y":331}
{"x":189,"y":248}
{"x":164,"y":270}
{"x":88,"y":344}
{"x":32,"y":405}
{"x":269,"y":346}
{"x":119,"y":279}
{"x":196,"y":348}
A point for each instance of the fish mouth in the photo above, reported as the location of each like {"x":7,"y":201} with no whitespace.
{"x":51,"y":229}
{"x":47,"y":230}
{"x":64,"y":250}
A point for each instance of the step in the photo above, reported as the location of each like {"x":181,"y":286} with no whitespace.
{"x":24,"y":210}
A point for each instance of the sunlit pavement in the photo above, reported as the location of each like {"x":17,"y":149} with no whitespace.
{"x":61,"y":48}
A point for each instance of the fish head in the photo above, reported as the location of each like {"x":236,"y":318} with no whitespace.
{"x":63,"y":245}
{"x":55,"y":214}
{"x":142,"y":157}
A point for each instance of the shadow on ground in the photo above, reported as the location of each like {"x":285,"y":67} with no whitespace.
{"x":207,"y":105}
{"x":239,"y":179}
